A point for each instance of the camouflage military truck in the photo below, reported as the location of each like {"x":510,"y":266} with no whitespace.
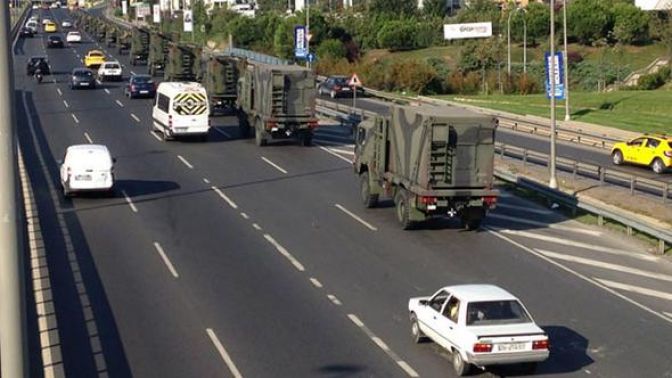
{"x":158,"y":52}
{"x":220,"y":80}
{"x":432,"y":161}
{"x":123,"y":41}
{"x":277,"y":102}
{"x":100,"y":30}
{"x":183,"y":63}
{"x":139,"y":52}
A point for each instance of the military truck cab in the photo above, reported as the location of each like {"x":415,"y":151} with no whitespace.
{"x":431,"y":161}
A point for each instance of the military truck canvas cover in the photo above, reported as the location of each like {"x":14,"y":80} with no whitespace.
{"x":440,"y":147}
{"x":292,"y":88}
{"x":221,"y":76}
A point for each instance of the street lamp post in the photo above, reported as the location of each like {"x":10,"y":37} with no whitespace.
{"x":307,"y":32}
{"x":508,"y":38}
{"x":553,"y":182}
{"x":564,"y":33}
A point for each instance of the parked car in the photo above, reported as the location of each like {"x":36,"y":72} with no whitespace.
{"x":82,"y":78}
{"x":35,"y":62}
{"x":94,"y":58}
{"x":480,"y":325}
{"x":110,"y":70}
{"x":87,"y":167}
{"x":55,"y":41}
{"x":26,"y":32}
{"x":45,"y":21}
{"x":336,"y":86}
{"x":647,"y":150}
{"x":140,"y":86}
{"x":73,"y":37}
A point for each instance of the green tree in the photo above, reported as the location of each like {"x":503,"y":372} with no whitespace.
{"x":397,"y":35}
{"x":283,"y":39}
{"x":331,"y":49}
{"x":631,"y":24}
{"x":590,"y":20}
{"x":244,"y":31}
{"x":435,"y":8}
{"x":481,"y":11}
{"x":538,"y":18}
{"x":393,"y":7}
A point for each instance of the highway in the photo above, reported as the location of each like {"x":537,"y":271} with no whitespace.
{"x":224,"y":259}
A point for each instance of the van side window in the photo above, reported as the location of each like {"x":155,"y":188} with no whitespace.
{"x":163,"y":103}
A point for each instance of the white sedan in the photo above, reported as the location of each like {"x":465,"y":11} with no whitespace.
{"x":480,"y":325}
{"x":87,"y":167}
{"x":45,"y":21}
{"x":73,"y":37}
{"x":66,"y":24}
{"x":110,"y":70}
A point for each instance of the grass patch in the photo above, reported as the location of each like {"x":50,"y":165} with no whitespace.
{"x":639,"y":111}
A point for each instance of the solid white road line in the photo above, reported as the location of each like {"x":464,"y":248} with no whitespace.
{"x":166,"y":260}
{"x":107,"y":91}
{"x":315,"y":282}
{"x":224,"y":354}
{"x":523,"y":208}
{"x":183,"y":160}
{"x":284,"y":252}
{"x":544,"y":224}
{"x":59,"y":91}
{"x":325,"y":149}
{"x":272,"y":164}
{"x":334,"y":300}
{"x":344,"y":152}
{"x":604,"y":265}
{"x":119,"y":103}
{"x":668,"y":314}
{"x":579,"y":275}
{"x":205,"y":180}
{"x":74,"y":117}
{"x":636,"y":289}
{"x":135,"y":117}
{"x":570,"y":243}
{"x":224,"y":197}
{"x":66,"y":104}
{"x":86,"y":135}
{"x":129,"y":201}
{"x":331,"y":142}
{"x":218,"y":130}
{"x":357,"y":218}
{"x":381,"y":344}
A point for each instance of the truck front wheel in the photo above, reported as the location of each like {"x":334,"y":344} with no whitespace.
{"x":403,"y":210}
{"x":369,"y":200}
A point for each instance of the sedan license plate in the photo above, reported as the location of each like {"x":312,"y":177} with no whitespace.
{"x":512,"y":347}
{"x":83,"y":177}
{"x":84,"y":84}
{"x":144,"y":92}
{"x":178,"y":129}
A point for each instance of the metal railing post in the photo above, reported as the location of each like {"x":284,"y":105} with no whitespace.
{"x":575,"y":168}
{"x":632,"y":185}
{"x":666,"y":190}
{"x":524,"y":158}
{"x":601,"y":171}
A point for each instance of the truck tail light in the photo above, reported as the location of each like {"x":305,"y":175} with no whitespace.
{"x":490,"y":201}
{"x":540,"y":344}
{"x":482,"y":348}
{"x":337,"y":87}
{"x":668,"y":153}
{"x":428,"y":200}
{"x":313,"y":123}
{"x":170,"y":121}
{"x":271,"y":124}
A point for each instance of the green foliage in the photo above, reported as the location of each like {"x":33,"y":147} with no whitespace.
{"x":283,"y":39}
{"x":538,"y":18}
{"x":631,"y":24}
{"x":439,"y":83}
{"x":272,"y":5}
{"x":118,"y":12}
{"x":481,"y":11}
{"x":245,"y":31}
{"x":331,"y":49}
{"x":654,"y":80}
{"x":590,"y":20}
{"x":393,"y":7}
{"x":397,"y":35}
{"x":435,"y":8}
{"x":586,"y":75}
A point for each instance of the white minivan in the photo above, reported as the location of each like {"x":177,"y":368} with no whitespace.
{"x":181,"y":109}
{"x":87,"y":167}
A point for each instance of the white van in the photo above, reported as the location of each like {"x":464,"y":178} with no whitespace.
{"x":87,"y":167}
{"x":181,"y":109}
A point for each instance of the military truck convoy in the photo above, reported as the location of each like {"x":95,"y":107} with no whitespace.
{"x":431,"y":161}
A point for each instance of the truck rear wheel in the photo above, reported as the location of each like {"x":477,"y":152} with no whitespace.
{"x":369,"y":200}
{"x":403,"y":210}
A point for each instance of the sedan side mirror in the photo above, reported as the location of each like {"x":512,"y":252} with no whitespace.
{"x":423,"y":302}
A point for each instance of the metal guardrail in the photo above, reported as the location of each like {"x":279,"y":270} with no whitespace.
{"x":604,"y":175}
{"x":252,"y":55}
{"x":572,"y":202}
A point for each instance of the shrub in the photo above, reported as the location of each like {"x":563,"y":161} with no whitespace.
{"x":331,"y":49}
{"x":397,"y":35}
{"x":654,"y":80}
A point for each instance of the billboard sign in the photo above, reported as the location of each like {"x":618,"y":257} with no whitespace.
{"x":557,"y":76}
{"x":156,"y":12}
{"x":188,"y":19}
{"x":471,"y":30}
{"x":300,"y":45}
{"x":654,"y":4}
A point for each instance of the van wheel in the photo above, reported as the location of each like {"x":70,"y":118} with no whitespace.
{"x":165,"y":136}
{"x":369,"y":200}
{"x":403,"y":210}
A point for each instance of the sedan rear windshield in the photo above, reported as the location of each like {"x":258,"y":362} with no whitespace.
{"x":82,"y":73}
{"x":76,"y":34}
{"x":341,"y":81}
{"x":142,"y":79}
{"x":112,"y":66}
{"x":496,"y":313}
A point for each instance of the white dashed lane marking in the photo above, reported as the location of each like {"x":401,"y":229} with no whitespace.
{"x":107,"y":91}
{"x":315,"y":282}
{"x":119,"y":103}
{"x":59,"y":91}
{"x":357,"y":218}
{"x":325,"y":149}
{"x":166,"y":260}
{"x":88,"y":138}
{"x":129,"y":201}
{"x":224,"y":197}
{"x":135,"y":117}
{"x":334,"y":300}
{"x":285,"y":253}
{"x":66,"y":104}
{"x":272,"y":164}
{"x":74,"y":117}
{"x":185,"y":162}
{"x":224,"y":354}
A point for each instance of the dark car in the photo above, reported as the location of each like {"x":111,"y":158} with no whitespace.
{"x":26,"y":32}
{"x":335,"y":86}
{"x":55,"y":41}
{"x":82,"y":78}
{"x":140,"y":86}
{"x":35,"y":62}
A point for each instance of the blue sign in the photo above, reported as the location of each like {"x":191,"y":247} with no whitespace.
{"x":558,"y":76}
{"x":300,"y":42}
{"x":311,"y":57}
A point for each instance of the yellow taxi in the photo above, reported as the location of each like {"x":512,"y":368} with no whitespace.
{"x":94,"y":59}
{"x":648,"y":150}
{"x":50,"y":27}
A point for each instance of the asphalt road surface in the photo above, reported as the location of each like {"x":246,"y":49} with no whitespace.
{"x":224,"y":259}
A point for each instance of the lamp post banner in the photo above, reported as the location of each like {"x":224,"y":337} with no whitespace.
{"x":557,"y":76}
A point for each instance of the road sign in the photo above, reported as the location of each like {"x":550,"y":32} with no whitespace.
{"x":188,"y":21}
{"x":156,"y":12}
{"x":557,"y":76}
{"x":300,"y":45}
{"x":311,"y":57}
{"x":354,"y":81}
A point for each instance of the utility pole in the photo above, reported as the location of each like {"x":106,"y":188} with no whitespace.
{"x":564,"y":33}
{"x":553,"y":182}
{"x":12,"y":306}
{"x":307,"y":32}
